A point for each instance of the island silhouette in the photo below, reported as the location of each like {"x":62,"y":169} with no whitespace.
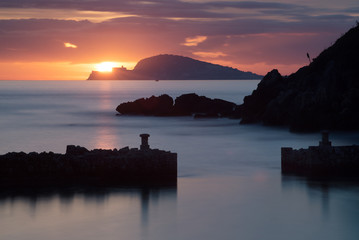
{"x":174,"y":67}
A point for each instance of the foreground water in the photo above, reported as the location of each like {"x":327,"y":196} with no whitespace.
{"x":229,"y":185}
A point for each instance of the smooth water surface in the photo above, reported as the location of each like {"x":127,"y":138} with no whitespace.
{"x":229,"y":185}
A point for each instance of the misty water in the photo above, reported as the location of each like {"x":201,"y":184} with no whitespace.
{"x":229,"y":181}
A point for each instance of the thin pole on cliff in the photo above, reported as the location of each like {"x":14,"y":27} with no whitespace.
{"x":310,"y":61}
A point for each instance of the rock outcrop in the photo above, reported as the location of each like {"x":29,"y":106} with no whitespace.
{"x":184,"y":105}
{"x":156,"y":106}
{"x":172,"y":67}
{"x":323,"y":95}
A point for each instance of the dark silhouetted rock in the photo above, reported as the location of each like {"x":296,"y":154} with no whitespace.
{"x":255,"y":105}
{"x":323,"y":95}
{"x":172,"y":67}
{"x":75,"y":150}
{"x":205,"y":115}
{"x":188,"y":104}
{"x":185,"y":105}
{"x":155,"y":106}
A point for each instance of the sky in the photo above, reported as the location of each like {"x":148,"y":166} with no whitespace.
{"x":65,"y":39}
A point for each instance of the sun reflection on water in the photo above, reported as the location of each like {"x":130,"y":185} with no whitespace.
{"x":106,"y":137}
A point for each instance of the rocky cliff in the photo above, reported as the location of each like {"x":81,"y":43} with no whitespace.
{"x":172,"y":67}
{"x":323,"y":95}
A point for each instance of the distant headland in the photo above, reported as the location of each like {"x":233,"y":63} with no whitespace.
{"x":173,"y":67}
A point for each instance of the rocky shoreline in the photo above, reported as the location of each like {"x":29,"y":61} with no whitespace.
{"x":323,"y":95}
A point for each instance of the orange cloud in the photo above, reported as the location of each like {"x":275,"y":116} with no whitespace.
{"x":254,"y":44}
{"x":210,"y":54}
{"x":60,"y":14}
{"x":69,"y":45}
{"x":194,"y":41}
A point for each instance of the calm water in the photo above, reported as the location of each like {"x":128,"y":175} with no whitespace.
{"x":230,"y":185}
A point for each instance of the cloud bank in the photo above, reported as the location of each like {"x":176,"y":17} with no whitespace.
{"x":256,"y":35}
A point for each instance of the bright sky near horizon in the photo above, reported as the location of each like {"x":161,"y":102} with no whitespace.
{"x":66,"y":39}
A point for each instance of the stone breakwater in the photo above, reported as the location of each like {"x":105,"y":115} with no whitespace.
{"x":78,"y":165}
{"x":324,"y":160}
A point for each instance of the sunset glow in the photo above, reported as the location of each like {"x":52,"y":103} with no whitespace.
{"x":69,"y":45}
{"x":194,"y":41}
{"x":246,"y":35}
{"x":105,"y":66}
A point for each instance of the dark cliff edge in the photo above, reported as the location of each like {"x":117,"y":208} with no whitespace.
{"x":173,"y":67}
{"x":323,"y":95}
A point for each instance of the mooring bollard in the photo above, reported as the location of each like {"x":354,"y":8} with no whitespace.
{"x":144,"y":141}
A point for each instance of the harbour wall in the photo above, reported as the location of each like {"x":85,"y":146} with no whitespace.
{"x":78,"y":165}
{"x":323,"y":160}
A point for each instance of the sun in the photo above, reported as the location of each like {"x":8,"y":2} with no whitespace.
{"x":105,"y":66}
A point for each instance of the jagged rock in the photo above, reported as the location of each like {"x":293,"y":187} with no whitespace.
{"x":155,"y":106}
{"x":188,"y":104}
{"x":255,"y":105}
{"x":323,"y":95}
{"x":75,"y":150}
{"x":185,"y":105}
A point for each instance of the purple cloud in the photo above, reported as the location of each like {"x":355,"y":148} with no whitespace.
{"x":238,"y":32}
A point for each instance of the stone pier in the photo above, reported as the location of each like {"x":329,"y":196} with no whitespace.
{"x":125,"y":166}
{"x":323,"y":160}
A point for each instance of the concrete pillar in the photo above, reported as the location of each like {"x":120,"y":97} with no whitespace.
{"x":325,"y":140}
{"x":144,"y":141}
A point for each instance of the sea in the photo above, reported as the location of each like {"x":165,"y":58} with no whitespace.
{"x":230,"y":184}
